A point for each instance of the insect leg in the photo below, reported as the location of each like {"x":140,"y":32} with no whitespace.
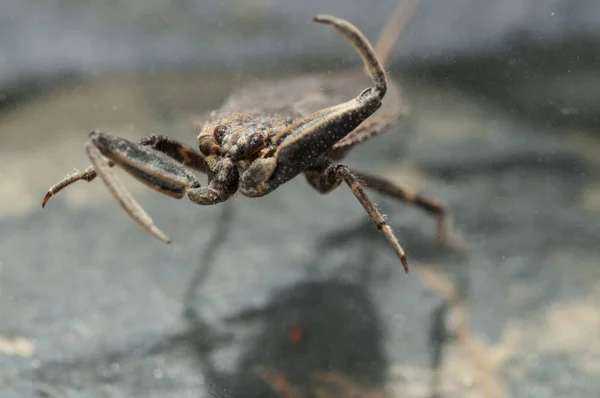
{"x":159,"y":172}
{"x":393,"y":29}
{"x":334,"y":175}
{"x":429,"y":204}
{"x":151,"y":167}
{"x":116,"y":188}
{"x":362,"y":45}
{"x":223,"y":180}
{"x":180,"y":152}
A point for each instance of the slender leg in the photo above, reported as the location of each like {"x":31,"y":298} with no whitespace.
{"x":116,"y":188}
{"x":159,"y":172}
{"x":179,"y":152}
{"x":333,"y":176}
{"x":394,"y":27}
{"x":429,"y":204}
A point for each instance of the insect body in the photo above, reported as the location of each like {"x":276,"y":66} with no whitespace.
{"x":263,"y":137}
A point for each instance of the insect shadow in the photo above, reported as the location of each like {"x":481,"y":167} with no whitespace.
{"x":321,"y":335}
{"x":316,"y":338}
{"x":451,"y":283}
{"x":345,"y":239}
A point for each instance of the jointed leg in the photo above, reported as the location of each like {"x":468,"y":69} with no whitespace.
{"x":394,"y":28}
{"x":179,"y":152}
{"x":333,"y":176}
{"x":158,"y":171}
{"x":151,"y":167}
{"x":429,"y":204}
{"x":123,"y":196}
{"x":363,"y":46}
{"x":182,"y":153}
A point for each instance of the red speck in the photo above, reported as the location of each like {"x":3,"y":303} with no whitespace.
{"x":296,"y":335}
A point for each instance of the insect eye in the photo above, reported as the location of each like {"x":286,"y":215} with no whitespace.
{"x":255,"y":143}
{"x":219,"y":133}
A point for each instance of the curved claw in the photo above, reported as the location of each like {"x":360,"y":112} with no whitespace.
{"x":48,"y":196}
{"x":87,"y":175}
{"x":362,"y":45}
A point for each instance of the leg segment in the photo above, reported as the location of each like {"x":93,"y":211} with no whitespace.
{"x":182,"y":153}
{"x":362,"y":45}
{"x":116,"y":188}
{"x":223,"y":180}
{"x":305,"y":141}
{"x":429,"y":204}
{"x":393,"y":29}
{"x":334,"y":175}
{"x":179,"y":152}
{"x":322,"y":182}
{"x":158,"y":171}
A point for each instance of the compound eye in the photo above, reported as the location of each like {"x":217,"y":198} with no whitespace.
{"x":255,"y":142}
{"x":219,"y":133}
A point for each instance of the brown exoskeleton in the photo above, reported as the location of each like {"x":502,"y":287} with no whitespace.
{"x":263,"y":137}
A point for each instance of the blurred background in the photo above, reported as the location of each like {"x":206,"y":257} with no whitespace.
{"x":503,"y":128}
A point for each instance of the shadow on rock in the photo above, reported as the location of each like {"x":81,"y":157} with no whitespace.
{"x":313,"y":339}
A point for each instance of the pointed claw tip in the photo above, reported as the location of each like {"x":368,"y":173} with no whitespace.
{"x":164,"y":238}
{"x":404,"y":264}
{"x":159,"y":234}
{"x":48,"y":195}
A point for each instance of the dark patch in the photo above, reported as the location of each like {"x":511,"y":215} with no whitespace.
{"x":310,"y":329}
{"x":18,"y":92}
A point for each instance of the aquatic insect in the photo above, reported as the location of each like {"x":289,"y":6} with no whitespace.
{"x":265,"y":135}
